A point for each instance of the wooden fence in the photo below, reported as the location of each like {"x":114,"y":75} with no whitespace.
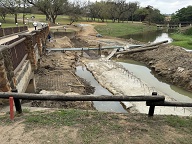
{"x":151,"y":100}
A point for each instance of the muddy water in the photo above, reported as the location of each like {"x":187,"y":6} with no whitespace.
{"x":152,"y":36}
{"x":99,"y":90}
{"x":145,"y":75}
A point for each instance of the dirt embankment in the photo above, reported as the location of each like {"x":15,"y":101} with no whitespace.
{"x":170,"y":63}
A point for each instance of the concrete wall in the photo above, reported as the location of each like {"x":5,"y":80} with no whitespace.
{"x":23,"y":76}
{"x":9,"y":79}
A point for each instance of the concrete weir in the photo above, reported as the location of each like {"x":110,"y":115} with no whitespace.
{"x":24,"y":78}
{"x":120,"y":81}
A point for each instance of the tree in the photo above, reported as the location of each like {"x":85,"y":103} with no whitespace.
{"x":121,"y":7}
{"x":24,"y":9}
{"x":75,"y":11}
{"x":133,"y":8}
{"x":154,"y":15}
{"x":141,"y":13}
{"x":184,"y":15}
{"x":51,"y":8}
{"x":102,"y":10}
{"x":150,"y":14}
{"x":3,"y":13}
{"x":12,"y":6}
{"x":111,"y":10}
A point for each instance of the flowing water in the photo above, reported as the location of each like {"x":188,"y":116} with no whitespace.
{"x":99,"y":90}
{"x":145,"y":75}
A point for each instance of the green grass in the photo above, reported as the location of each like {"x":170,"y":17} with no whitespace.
{"x":179,"y":122}
{"x":62,"y":19}
{"x":182,"y":40}
{"x":122,"y":29}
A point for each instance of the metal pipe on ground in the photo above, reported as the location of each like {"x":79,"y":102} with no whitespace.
{"x":137,"y":50}
{"x":80,"y":49}
{"x":155,"y":44}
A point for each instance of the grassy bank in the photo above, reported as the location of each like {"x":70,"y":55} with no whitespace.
{"x":122,"y":29}
{"x":76,"y":126}
{"x":183,"y":39}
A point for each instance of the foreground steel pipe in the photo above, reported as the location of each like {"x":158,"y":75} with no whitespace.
{"x":27,"y":96}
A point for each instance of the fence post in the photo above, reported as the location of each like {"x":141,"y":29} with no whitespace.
{"x":152,"y":108}
{"x":11,"y":108}
{"x":17,"y":103}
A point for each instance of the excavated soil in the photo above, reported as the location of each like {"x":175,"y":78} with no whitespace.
{"x":170,"y":63}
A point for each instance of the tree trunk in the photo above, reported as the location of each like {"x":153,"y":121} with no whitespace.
{"x":71,"y":22}
{"x":54,"y":19}
{"x":132,"y":17}
{"x":3,"y":18}
{"x":15,"y":17}
{"x":47,"y":17}
{"x":23,"y":18}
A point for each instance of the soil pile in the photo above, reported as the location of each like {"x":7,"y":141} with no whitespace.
{"x":170,"y":63}
{"x":63,"y":42}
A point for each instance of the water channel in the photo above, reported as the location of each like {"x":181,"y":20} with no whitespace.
{"x":99,"y":90}
{"x":152,"y":36}
{"x":147,"y":76}
{"x":139,"y":71}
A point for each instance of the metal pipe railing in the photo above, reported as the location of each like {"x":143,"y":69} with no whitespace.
{"x":27,"y":96}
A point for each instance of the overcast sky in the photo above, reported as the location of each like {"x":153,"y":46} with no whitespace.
{"x":165,"y":6}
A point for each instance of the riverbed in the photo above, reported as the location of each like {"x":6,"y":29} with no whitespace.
{"x":120,"y":81}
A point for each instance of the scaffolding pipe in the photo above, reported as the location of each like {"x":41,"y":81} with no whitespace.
{"x":84,"y":49}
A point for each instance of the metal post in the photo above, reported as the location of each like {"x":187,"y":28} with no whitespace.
{"x":17,"y":103}
{"x":82,"y":52}
{"x":152,"y":108}
{"x":99,"y":50}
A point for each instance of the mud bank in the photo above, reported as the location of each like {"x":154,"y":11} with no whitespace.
{"x":168,"y":62}
{"x":120,"y":81}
